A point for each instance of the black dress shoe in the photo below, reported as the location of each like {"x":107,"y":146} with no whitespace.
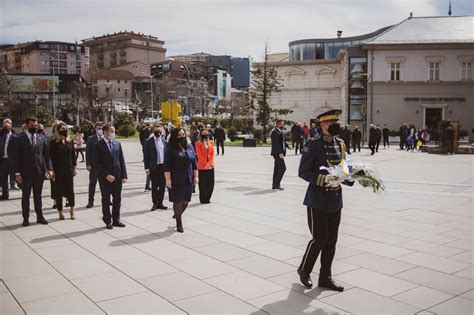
{"x":109,"y":226}
{"x":305,"y":279}
{"x":26,"y":222}
{"x":118,"y":224}
{"x":180,"y":228}
{"x":90,"y":205}
{"x":162,"y":207}
{"x":278,"y":187}
{"x":42,"y":221}
{"x":154,"y":207}
{"x":330,"y":284}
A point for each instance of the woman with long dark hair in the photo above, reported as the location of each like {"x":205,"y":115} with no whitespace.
{"x":180,"y":167}
{"x":64,"y":163}
{"x":205,"y":157}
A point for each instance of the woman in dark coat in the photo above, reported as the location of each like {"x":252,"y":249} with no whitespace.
{"x":180,"y":167}
{"x":64,"y":163}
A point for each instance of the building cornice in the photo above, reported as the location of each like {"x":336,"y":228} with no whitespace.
{"x":433,"y":46}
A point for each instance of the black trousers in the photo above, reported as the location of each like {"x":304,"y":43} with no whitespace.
{"x":279,"y":170}
{"x":158,"y":185}
{"x":93,"y":175}
{"x":377,"y":146}
{"x":355,"y":144}
{"x":80,"y":151}
{"x":372,"y":145}
{"x":385,"y":141}
{"x":324,"y":229}
{"x":6,"y":170}
{"x":402,"y":143}
{"x":348,"y":146}
{"x":450,"y":147}
{"x":221,"y":144}
{"x":206,"y":185}
{"x":107,"y":190}
{"x":64,"y":186}
{"x":35,"y":183}
{"x":297,"y":145}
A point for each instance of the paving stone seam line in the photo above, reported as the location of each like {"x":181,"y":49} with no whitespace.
{"x":444,"y":301}
{"x":168,"y":263}
{"x":52,"y":266}
{"x":14,"y":297}
{"x":123,"y":273}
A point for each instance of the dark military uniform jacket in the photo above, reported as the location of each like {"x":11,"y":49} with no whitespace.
{"x":315,"y":155}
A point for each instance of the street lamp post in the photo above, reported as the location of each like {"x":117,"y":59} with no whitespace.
{"x":151,"y":89}
{"x":108,"y":86}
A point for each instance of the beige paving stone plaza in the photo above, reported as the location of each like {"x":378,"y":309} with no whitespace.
{"x":408,"y":250}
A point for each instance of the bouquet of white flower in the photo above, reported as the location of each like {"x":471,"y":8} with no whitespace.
{"x":365,"y":174}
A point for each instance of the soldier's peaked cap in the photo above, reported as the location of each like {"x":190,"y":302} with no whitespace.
{"x":330,"y":115}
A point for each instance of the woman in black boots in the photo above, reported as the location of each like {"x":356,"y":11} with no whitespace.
{"x":180,"y":167}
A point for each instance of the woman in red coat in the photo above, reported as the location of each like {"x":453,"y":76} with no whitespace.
{"x":205,"y":156}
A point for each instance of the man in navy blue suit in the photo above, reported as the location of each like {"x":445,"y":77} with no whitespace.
{"x":154,"y":157}
{"x":6,"y":160}
{"x":91,"y":142}
{"x":108,"y":159}
{"x":32,"y":162}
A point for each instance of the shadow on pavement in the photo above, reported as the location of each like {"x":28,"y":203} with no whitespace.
{"x":64,"y":235}
{"x":260,"y":192}
{"x":141,"y":239}
{"x":295,"y":303}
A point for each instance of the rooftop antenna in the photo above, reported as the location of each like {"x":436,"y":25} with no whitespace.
{"x":449,"y":11}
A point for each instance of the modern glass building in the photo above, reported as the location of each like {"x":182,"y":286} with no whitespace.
{"x":326,"y":48}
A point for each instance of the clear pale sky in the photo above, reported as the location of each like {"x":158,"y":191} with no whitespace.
{"x":234,"y":27}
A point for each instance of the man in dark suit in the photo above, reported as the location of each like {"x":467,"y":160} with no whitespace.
{"x":278,"y":152}
{"x":32,"y":162}
{"x":386,"y":134}
{"x":219,"y":135}
{"x":6,"y":148}
{"x":356,"y":138}
{"x":154,"y":157}
{"x":108,"y":159}
{"x":372,"y":139}
{"x":91,"y":142}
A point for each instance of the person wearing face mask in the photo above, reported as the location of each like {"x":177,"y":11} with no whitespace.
{"x":205,"y":158}
{"x":154,"y":157}
{"x":6,"y":162}
{"x":31,"y":163}
{"x":63,"y":159}
{"x":323,"y":202}
{"x":91,"y":142}
{"x":112,"y":173}
{"x":180,"y":172}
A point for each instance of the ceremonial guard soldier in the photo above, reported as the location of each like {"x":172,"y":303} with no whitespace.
{"x":323,"y":201}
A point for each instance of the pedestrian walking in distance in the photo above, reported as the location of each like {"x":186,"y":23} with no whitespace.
{"x":219,"y":136}
{"x":278,"y":152}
